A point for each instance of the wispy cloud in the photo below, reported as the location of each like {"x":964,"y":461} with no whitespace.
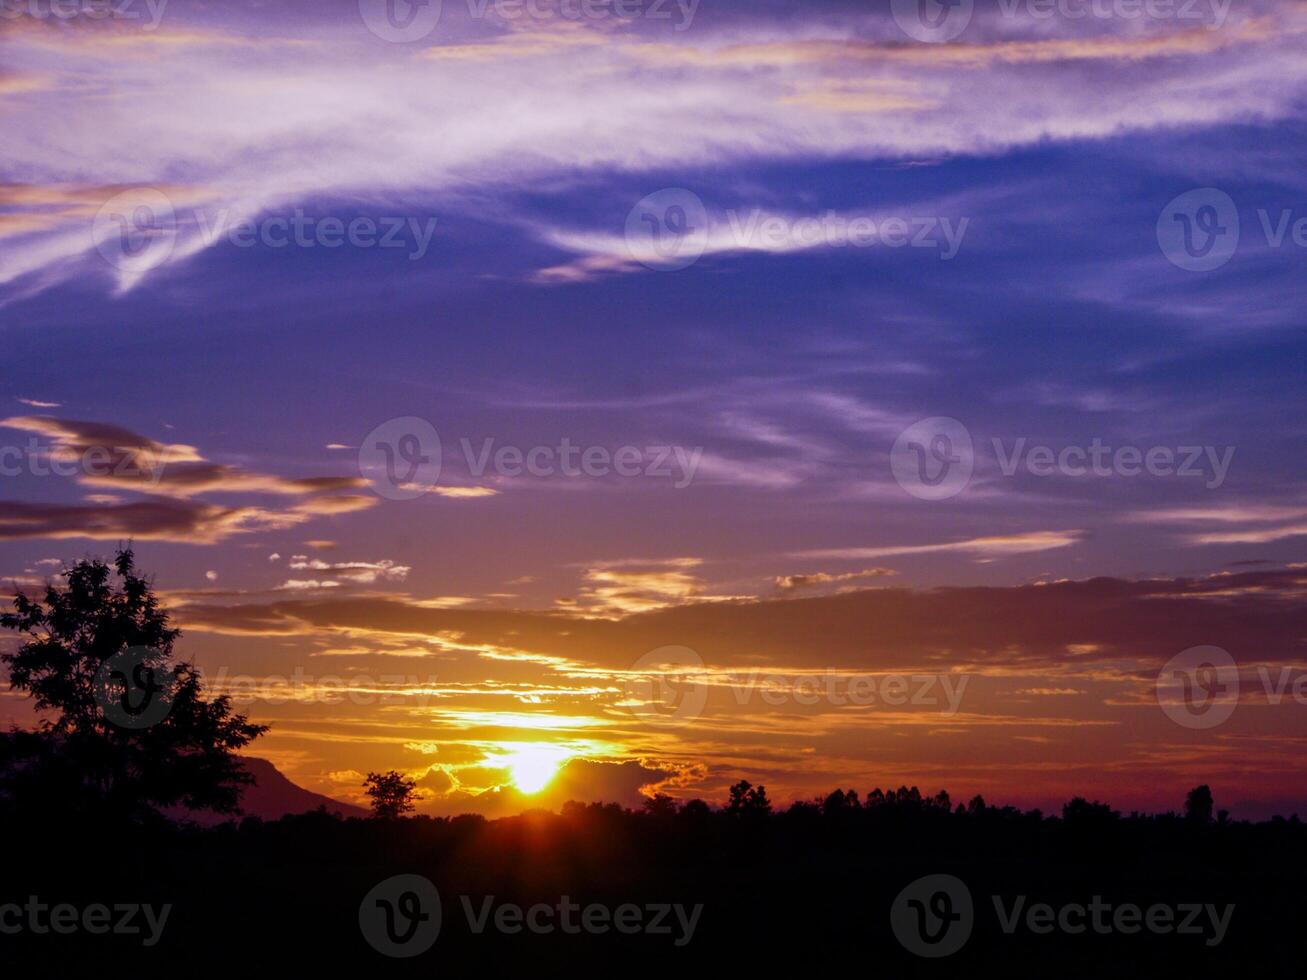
{"x":988,"y":547}
{"x":812,"y":88}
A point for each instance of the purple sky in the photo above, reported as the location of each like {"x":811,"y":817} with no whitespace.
{"x":490,"y":352}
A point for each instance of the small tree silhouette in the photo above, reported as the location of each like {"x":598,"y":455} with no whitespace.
{"x":748,"y":800}
{"x":391,"y":794}
{"x":1198,"y":805}
{"x":81,"y":757}
{"x":661,"y":806}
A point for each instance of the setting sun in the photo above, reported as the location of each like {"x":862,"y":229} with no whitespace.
{"x":533,"y":766}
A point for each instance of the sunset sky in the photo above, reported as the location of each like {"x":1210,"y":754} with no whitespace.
{"x":732,"y":250}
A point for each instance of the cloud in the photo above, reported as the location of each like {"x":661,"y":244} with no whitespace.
{"x":1262,"y":523}
{"x":157,"y":519}
{"x":516,"y":676}
{"x":828,"y":86}
{"x":745,"y":228}
{"x":1062,"y":626}
{"x":307,"y":585}
{"x":988,"y":547}
{"x":169,"y":475}
{"x":117,"y":458}
{"x":791,"y":583}
{"x":583,"y":780}
{"x":358,"y":572}
{"x":115,"y":448}
{"x":465,"y":493}
{"x":1191,"y":41}
{"x":632,"y":585}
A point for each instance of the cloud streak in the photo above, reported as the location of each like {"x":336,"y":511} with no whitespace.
{"x":242,"y":124}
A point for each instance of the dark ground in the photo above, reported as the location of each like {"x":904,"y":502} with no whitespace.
{"x":804,"y":890}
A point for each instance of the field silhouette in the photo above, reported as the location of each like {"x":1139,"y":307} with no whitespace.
{"x":810,"y":886}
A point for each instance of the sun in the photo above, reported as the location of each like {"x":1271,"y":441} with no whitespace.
{"x":533,"y":766}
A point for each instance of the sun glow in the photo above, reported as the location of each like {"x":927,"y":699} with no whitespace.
{"x":533,"y":766}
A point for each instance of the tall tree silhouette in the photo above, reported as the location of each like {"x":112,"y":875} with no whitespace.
{"x":82,"y":753}
{"x":1198,"y":804}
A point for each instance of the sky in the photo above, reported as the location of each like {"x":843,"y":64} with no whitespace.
{"x":593,"y":399}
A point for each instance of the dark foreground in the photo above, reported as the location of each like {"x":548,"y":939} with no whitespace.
{"x":602,"y":891}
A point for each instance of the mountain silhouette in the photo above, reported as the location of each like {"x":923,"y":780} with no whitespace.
{"x":271,"y":797}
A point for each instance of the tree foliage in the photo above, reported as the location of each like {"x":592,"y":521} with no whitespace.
{"x":78,"y":756}
{"x":391,"y":794}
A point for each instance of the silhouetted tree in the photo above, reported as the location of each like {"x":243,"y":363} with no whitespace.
{"x":696,"y":811}
{"x":1080,"y":814}
{"x":748,"y":800}
{"x":660,"y":805}
{"x":841,"y":802}
{"x":391,"y":794}
{"x":910,"y":797}
{"x":1198,"y":805}
{"x":79,"y":755}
